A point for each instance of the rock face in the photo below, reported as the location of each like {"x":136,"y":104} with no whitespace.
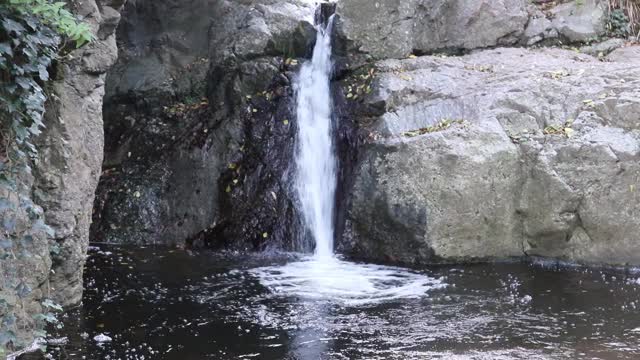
{"x":71,"y":149}
{"x":569,"y":22}
{"x":520,"y":152}
{"x":25,"y":265}
{"x":395,"y":29}
{"x":196,"y":141}
{"x":48,"y":263}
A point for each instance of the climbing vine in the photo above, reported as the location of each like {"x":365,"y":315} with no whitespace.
{"x":33,"y":34}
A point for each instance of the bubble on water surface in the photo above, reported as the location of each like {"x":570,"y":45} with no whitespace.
{"x":344,"y":282}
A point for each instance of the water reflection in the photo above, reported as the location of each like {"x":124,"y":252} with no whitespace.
{"x":312,"y":342}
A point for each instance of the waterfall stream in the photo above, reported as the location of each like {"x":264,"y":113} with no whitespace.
{"x":325,"y":276}
{"x":315,"y":158}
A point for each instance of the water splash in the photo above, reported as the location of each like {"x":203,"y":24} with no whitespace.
{"x":315,"y":158}
{"x":346,"y":283}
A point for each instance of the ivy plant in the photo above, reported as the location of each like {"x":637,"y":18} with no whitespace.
{"x":55,"y":15}
{"x":31,"y":32}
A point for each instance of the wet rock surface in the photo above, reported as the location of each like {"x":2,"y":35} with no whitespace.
{"x":156,"y":303}
{"x":200,"y":154}
{"x":489,"y":156}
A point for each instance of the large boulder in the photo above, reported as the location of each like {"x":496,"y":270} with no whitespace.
{"x":179,"y":116}
{"x":502,"y":153}
{"x":568,"y":22}
{"x":395,"y":29}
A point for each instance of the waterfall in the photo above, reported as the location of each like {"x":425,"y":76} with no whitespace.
{"x":315,"y":158}
{"x":325,"y":276}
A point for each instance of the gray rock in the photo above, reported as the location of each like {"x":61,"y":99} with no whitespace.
{"x":603,"y":48}
{"x":629,"y":54}
{"x":165,"y":154}
{"x":538,"y":29}
{"x":508,"y":180}
{"x":71,"y":152}
{"x":395,"y":29}
{"x":568,"y":22}
{"x":452,"y":196}
{"x":578,"y":21}
{"x":24,"y":264}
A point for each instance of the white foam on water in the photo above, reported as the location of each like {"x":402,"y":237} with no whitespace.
{"x":345,"y":282}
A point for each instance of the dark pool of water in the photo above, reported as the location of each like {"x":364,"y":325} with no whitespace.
{"x":160,"y":304}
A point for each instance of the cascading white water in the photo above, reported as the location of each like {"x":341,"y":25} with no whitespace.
{"x":315,"y":158}
{"x":324,"y":276}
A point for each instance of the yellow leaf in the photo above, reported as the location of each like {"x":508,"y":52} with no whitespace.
{"x":265,"y":235}
{"x":349,"y":95}
{"x":136,"y":194}
{"x":232,"y":166}
{"x":255,"y":110}
{"x":285,"y":121}
{"x":412,"y":56}
{"x":632,"y":188}
{"x":569,"y":132}
{"x":228,"y":189}
{"x":235,"y":181}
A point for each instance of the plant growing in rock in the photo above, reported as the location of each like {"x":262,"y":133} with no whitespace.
{"x":618,"y":24}
{"x":31,"y":32}
{"x":359,"y":84}
{"x":624,"y":17}
{"x":439,"y":126}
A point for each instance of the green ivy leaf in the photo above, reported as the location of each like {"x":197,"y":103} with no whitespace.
{"x":13,"y":27}
{"x":5,"y":48}
{"x":43,"y":73}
